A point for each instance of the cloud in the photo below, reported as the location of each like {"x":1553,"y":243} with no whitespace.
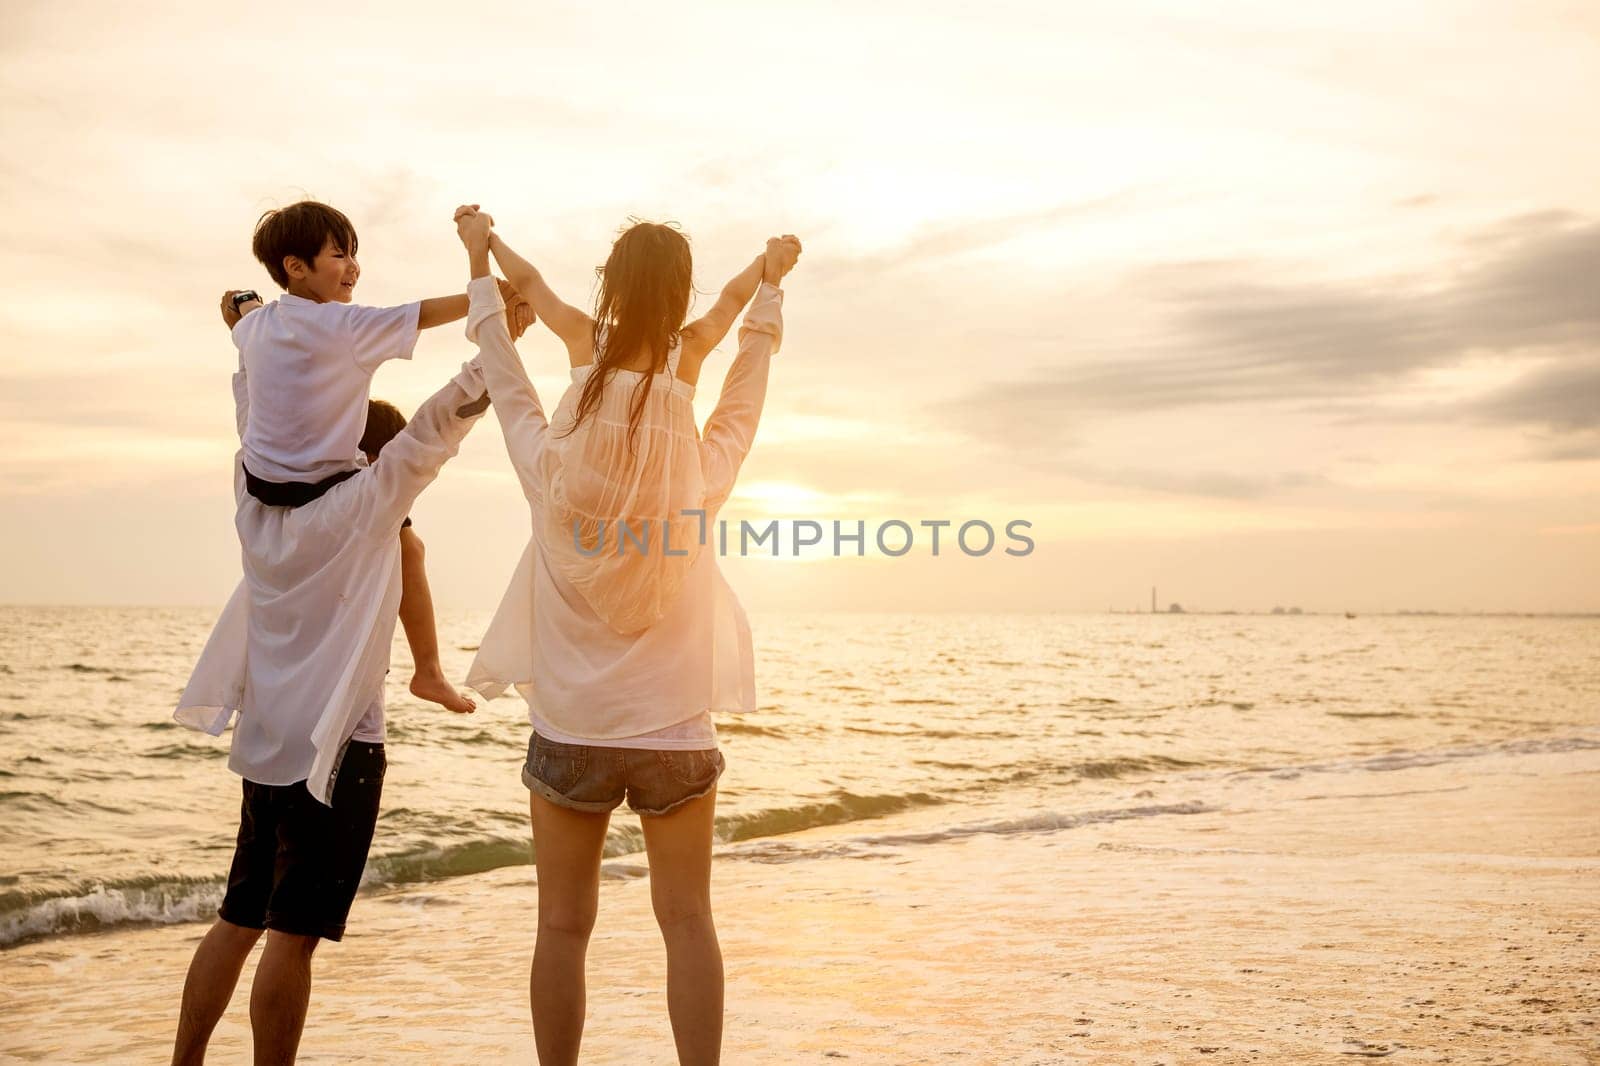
{"x":1216,"y":484}
{"x":935,"y":243}
{"x":1563,"y":396}
{"x":1569,"y":451}
{"x":1524,"y":289}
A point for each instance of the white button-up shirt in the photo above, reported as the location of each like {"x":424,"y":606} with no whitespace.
{"x":301,"y":649}
{"x":580,"y":677}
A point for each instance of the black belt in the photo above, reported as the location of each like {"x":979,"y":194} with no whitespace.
{"x":291,"y":493}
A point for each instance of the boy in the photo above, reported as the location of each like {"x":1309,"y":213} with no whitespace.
{"x":302,"y":647}
{"x":309,"y":359}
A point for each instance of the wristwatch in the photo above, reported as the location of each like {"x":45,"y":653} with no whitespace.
{"x":245,"y":297}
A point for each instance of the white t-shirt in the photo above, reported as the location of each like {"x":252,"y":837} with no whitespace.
{"x":309,"y":367}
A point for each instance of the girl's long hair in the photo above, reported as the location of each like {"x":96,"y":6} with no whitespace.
{"x":645,"y":288}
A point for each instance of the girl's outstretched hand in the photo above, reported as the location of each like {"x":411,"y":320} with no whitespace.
{"x":781,"y":256}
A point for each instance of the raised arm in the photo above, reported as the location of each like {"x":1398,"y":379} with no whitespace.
{"x":707,"y":331}
{"x":516,"y":402}
{"x":232,"y":314}
{"x":573,"y":326}
{"x":731,"y":429}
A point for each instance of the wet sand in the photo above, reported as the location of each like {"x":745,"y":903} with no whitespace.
{"x":1415,"y":913}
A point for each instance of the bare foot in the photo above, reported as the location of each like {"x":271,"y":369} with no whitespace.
{"x":435,"y":689}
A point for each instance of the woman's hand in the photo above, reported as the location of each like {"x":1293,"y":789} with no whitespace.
{"x":781,"y":256}
{"x":473,"y":226}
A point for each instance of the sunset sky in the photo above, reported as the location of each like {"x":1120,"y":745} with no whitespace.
{"x":1260,"y":303}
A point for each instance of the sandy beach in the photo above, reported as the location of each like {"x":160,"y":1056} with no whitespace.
{"x":1421,"y":911}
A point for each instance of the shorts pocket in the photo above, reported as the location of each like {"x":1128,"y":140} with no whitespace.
{"x":696,"y":767}
{"x":560,"y":766}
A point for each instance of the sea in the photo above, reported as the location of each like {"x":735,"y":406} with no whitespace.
{"x":111,"y":814}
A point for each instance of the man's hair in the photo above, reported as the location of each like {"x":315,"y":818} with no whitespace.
{"x":384,"y":420}
{"x":299,"y":230}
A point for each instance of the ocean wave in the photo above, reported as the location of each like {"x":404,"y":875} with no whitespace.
{"x":745,"y":729}
{"x":165,"y":900}
{"x":1041,"y":822}
{"x":1406,"y":760}
{"x":199,"y":749}
{"x":1108,"y":769}
{"x":939,"y":764}
{"x":30,"y":800}
{"x":136,"y":901}
{"x":492,"y":738}
{"x":437,"y":863}
{"x":933,"y":734}
{"x":1102,"y":769}
{"x":842,"y":807}
{"x":157,"y":900}
{"x":875,"y":846}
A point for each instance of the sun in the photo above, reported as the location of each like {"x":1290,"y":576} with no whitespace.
{"x":781,"y":498}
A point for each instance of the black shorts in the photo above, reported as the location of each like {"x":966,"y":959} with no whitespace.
{"x":298,"y":864}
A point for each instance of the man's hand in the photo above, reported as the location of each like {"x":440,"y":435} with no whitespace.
{"x":231,"y":314}
{"x":781,"y":256}
{"x":519,"y":312}
{"x":473,"y":226}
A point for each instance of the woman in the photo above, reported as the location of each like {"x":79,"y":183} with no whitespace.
{"x":618,"y":627}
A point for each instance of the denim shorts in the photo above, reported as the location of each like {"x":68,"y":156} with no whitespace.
{"x":586,"y":777}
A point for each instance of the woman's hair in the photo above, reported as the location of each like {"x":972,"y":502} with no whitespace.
{"x":384,"y":420}
{"x":645,"y":287}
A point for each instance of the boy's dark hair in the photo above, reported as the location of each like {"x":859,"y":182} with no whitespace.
{"x":384,"y":420}
{"x":299,"y":230}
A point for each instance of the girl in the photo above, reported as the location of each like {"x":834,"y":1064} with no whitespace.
{"x":618,"y":628}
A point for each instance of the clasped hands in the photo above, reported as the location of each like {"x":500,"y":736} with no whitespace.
{"x":474,"y":227}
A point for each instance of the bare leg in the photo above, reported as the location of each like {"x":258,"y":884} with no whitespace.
{"x":279,"y":997}
{"x":567,"y":846}
{"x":422,"y":633}
{"x":212,"y":976}
{"x":679,"y":846}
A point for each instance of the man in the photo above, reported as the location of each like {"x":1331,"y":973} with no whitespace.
{"x":300,"y":652}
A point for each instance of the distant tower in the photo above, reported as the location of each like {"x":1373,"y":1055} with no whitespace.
{"x":1152,"y":599}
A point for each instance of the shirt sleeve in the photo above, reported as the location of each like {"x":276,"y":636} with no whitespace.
{"x":241,"y":401}
{"x":516,"y":402}
{"x":375,"y":501}
{"x":241,"y":416}
{"x":378,"y":334}
{"x":731,"y":429}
